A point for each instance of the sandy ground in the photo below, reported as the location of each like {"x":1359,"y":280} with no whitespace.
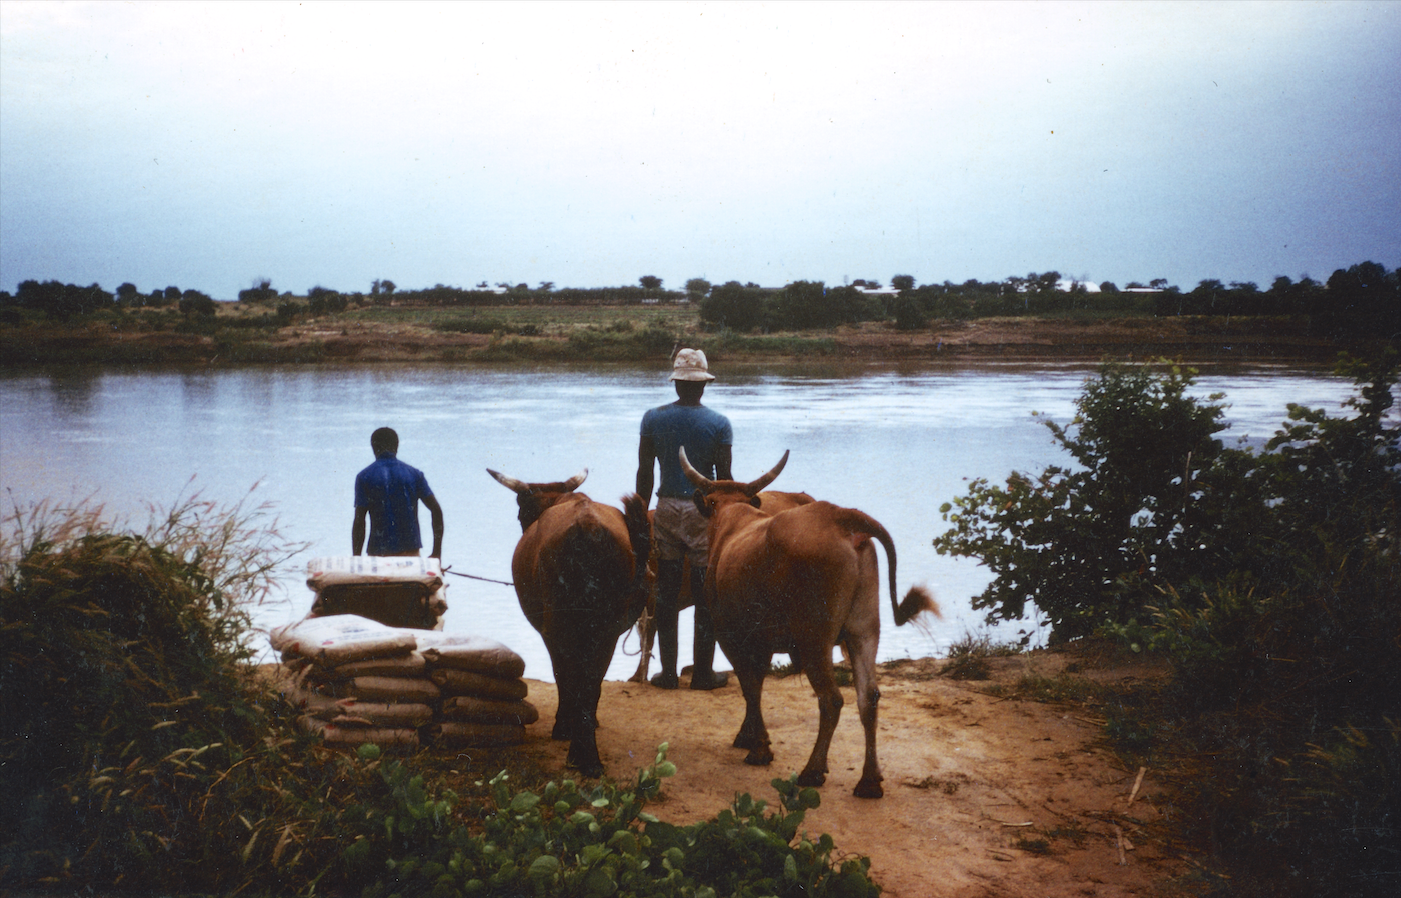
{"x":984,"y":796}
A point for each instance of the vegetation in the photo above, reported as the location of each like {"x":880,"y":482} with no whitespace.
{"x":142,"y":753}
{"x":1268,"y":579}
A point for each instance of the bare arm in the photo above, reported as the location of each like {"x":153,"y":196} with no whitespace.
{"x":723,"y":455}
{"x":357,"y":530}
{"x":436,"y":511}
{"x":646,"y":457}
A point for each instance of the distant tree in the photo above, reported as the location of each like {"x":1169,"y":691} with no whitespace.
{"x":172,"y":294}
{"x":546,"y":286}
{"x":733,"y":305}
{"x":261,"y":291}
{"x":903,"y":282}
{"x":388,"y":286}
{"x":1364,"y":299}
{"x":128,"y":295}
{"x":1108,"y":287}
{"x":1134,"y":285}
{"x":193,"y":302}
{"x":1158,"y":283}
{"x":697,"y":286}
{"x":751,"y":285}
{"x":650,"y":282}
{"x":909,"y":314}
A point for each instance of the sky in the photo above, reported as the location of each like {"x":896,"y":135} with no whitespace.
{"x":211,"y":145}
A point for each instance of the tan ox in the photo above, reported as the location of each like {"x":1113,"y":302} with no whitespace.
{"x":581,"y":577}
{"x":799,"y":582}
{"x":770,"y":502}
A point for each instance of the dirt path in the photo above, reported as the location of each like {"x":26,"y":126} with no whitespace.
{"x":985,"y":796}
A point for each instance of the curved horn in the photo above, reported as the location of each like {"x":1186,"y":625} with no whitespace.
{"x":703,"y":483}
{"x":572,"y":483}
{"x":754,"y":487}
{"x":509,"y":483}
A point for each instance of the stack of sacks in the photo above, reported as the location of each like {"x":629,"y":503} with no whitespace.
{"x":357,"y":681}
{"x":483,"y":693}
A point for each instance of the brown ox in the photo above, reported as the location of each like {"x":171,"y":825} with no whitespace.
{"x":799,"y":582}
{"x":581,"y":576}
{"x":770,"y":502}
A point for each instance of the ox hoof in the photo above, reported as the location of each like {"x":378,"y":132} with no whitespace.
{"x":757,"y":758}
{"x":865,"y":789}
{"x":812,"y":779}
{"x":666,"y":681}
{"x":592,"y":768}
{"x":707,"y":683}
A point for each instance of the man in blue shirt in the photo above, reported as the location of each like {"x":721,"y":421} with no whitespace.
{"x":388,"y":492}
{"x":678,"y":529}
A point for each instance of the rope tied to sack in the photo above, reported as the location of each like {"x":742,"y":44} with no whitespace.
{"x":448,"y":570}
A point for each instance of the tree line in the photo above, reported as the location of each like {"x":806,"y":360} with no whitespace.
{"x":1362,"y":299}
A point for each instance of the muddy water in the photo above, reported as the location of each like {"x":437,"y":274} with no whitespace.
{"x":894,"y":442}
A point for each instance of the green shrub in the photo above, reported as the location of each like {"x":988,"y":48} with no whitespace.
{"x":1269,"y":580}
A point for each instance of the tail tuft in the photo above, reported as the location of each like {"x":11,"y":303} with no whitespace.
{"x":917,"y":601}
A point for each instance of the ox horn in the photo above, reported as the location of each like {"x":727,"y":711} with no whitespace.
{"x":705,"y":484}
{"x":702,"y":482}
{"x":522,"y":488}
{"x":755,"y":486}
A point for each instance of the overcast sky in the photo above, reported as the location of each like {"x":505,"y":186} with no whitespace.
{"x":207,"y":145}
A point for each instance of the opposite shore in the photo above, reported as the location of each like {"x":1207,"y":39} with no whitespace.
{"x":623,"y":334}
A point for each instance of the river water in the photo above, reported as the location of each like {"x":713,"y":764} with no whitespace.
{"x":893,"y":442}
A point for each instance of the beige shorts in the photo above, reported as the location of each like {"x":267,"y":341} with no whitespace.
{"x":679,"y":530}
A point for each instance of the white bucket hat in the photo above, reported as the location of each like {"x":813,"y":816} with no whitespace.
{"x":689,"y":364}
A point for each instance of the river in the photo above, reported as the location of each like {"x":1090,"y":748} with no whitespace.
{"x":891,"y":441}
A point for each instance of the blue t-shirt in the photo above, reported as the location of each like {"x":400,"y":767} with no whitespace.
{"x":391,"y":490}
{"x":699,"y":429}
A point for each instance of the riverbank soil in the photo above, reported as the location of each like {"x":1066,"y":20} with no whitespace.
{"x":987,"y":795}
{"x":411,"y":337}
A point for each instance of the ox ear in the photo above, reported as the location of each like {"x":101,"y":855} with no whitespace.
{"x":702,"y":506}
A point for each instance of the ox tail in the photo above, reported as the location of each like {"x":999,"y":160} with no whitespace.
{"x":640,"y":536}
{"x":919,"y":599}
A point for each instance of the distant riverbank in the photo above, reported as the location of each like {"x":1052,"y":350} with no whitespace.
{"x":622,"y":334}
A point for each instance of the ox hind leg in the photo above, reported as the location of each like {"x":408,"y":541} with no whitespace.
{"x":862,"y":638}
{"x":750,"y":668}
{"x":817,"y":664}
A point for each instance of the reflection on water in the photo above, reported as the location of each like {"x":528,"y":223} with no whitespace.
{"x":894,"y":442}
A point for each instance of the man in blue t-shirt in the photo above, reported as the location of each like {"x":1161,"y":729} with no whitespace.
{"x":388,"y":492}
{"x":678,"y":528}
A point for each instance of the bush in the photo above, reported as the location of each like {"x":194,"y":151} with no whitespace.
{"x":123,"y":682}
{"x":1078,"y":541}
{"x":1268,"y":579}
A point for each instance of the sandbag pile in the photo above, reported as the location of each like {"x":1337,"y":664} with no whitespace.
{"x":358,"y":681}
{"x":483,"y":695}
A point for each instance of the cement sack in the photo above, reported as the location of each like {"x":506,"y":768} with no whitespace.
{"x":394,"y":690}
{"x":331,"y":641}
{"x":465,"y":682}
{"x":341,"y":570}
{"x":469,"y":709}
{"x":411,"y":665}
{"x":354,"y":713}
{"x":395,"y":591}
{"x":474,"y":653}
{"x":352,"y":737}
{"x":479,"y":735}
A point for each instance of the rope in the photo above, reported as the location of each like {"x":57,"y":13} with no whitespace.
{"x":474,"y":577}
